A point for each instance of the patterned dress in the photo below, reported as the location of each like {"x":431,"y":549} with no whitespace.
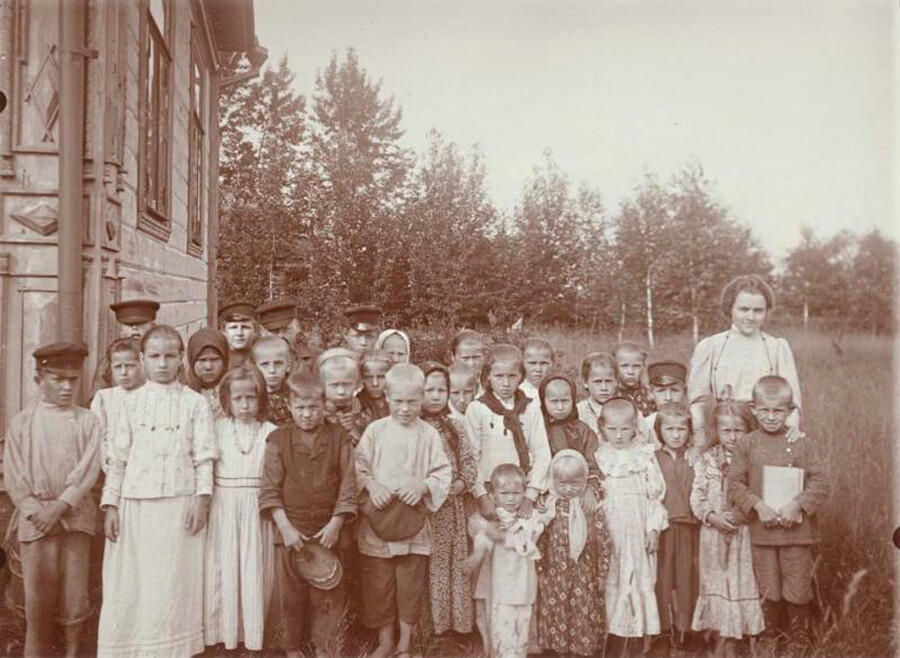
{"x":641,"y":398}
{"x":571,"y":608}
{"x":278,"y":410}
{"x":451,"y":593}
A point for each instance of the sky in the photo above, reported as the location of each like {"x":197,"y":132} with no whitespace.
{"x":786,"y":105}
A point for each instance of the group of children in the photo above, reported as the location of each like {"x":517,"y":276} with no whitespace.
{"x":280,"y":488}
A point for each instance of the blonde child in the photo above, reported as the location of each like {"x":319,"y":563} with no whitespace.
{"x":574,"y":562}
{"x":451,"y":594}
{"x":207,"y":355}
{"x":539,"y":358}
{"x":309,"y":490}
{"x":403,"y":472}
{"x":51,"y":458}
{"x":240,"y":550}
{"x":505,"y":427}
{"x":631,"y":360}
{"x":395,"y":343}
{"x":598,"y":374}
{"x":156,"y":502}
{"x":273,"y":358}
{"x":468,"y":348}
{"x":124,"y":358}
{"x":677,"y":574}
{"x":504,"y":552}
{"x":635,"y":515}
{"x":338,"y":368}
{"x":728,"y":603}
{"x":463,"y":386}
{"x":373,"y":366}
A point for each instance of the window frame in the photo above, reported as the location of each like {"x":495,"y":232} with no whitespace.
{"x":198,"y":145}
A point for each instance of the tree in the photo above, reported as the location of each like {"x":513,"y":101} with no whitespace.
{"x":874,"y":283}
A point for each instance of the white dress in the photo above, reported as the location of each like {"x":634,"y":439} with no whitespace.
{"x":633,"y":504}
{"x":240,"y":546}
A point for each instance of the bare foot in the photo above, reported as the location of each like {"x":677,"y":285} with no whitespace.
{"x":382,"y":651}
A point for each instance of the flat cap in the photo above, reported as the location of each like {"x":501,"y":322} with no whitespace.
{"x":237,"y":312}
{"x":135,"y":311}
{"x":276,"y":314}
{"x":64,"y":359}
{"x":663,"y":373}
{"x":365,"y":317}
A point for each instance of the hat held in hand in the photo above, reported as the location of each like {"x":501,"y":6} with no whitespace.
{"x":396,"y":521}
{"x":318,"y":565}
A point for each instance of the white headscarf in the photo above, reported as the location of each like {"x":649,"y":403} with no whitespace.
{"x":387,"y":333}
{"x":577,"y":522}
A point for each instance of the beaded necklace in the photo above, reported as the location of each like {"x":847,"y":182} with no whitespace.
{"x":244,"y":447}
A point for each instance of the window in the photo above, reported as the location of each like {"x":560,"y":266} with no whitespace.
{"x":156,"y":95}
{"x":197,"y":166}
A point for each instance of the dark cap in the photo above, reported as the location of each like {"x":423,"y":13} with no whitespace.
{"x":663,"y":373}
{"x":363,"y":318}
{"x":276,"y":314}
{"x":237,"y":312}
{"x":395,"y":521}
{"x":135,"y":311}
{"x":63,"y":359}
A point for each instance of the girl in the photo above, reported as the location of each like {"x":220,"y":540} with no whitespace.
{"x":124,"y":358}
{"x":207,"y":354}
{"x":634,"y":512}
{"x":155,"y":501}
{"x":395,"y":343}
{"x":373,"y":366}
{"x":240,"y":549}
{"x":451,"y":595}
{"x":574,"y":562}
{"x":729,"y":597}
{"x":677,"y":578}
{"x":601,"y":381}
{"x":505,"y":427}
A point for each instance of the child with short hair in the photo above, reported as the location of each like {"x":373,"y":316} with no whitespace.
{"x":667,"y":385}
{"x":373,"y":366}
{"x":468,"y":347}
{"x":600,"y":379}
{"x":539,"y":359}
{"x":338,"y":369}
{"x":309,"y":490}
{"x":403,"y":473}
{"x":363,"y":323}
{"x":463,"y":386}
{"x":207,"y":355}
{"x":635,"y":515}
{"x":238,"y":322}
{"x":574,"y":562}
{"x":51,"y":458}
{"x":395,"y":343}
{"x":505,"y":427}
{"x":124,"y":359}
{"x":451,"y":594}
{"x":782,"y":538}
{"x":240,"y":550}
{"x":504,"y":552}
{"x":631,"y":359}
{"x":156,"y":501}
{"x":728,"y":603}
{"x":273,"y":358}
{"x":677,"y":573}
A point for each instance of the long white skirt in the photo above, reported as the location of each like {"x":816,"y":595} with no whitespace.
{"x":152,"y":583}
{"x":240,"y":569}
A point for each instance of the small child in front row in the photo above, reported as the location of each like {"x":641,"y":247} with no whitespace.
{"x":782,"y":538}
{"x":635,"y":516}
{"x":309,"y":490}
{"x":51,"y":458}
{"x":124,"y":358}
{"x":677,"y":574}
{"x":729,"y":597}
{"x":273,"y":357}
{"x":598,"y":374}
{"x":463,"y":386}
{"x":539,"y":358}
{"x":240,"y":550}
{"x":207,"y":354}
{"x":574,"y":562}
{"x":403,"y":473}
{"x":373,"y":366}
{"x":503,"y":558}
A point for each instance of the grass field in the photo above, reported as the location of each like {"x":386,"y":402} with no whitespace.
{"x":848,"y":407}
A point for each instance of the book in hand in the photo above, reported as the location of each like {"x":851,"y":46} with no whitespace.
{"x":780,"y":485}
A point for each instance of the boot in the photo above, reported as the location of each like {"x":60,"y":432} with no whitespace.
{"x":798,"y":626}
{"x":773,"y":612}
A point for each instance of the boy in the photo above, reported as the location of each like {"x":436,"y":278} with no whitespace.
{"x":135,"y":318}
{"x":630,"y":360}
{"x":598,"y":374}
{"x":338,"y":370}
{"x":237,"y":320}
{"x":667,"y":385}
{"x":403,"y":471}
{"x":539,"y":358}
{"x":124,"y":357}
{"x":277,"y":318}
{"x":782,"y":538}
{"x":463,"y":385}
{"x":51,"y":460}
{"x":363,"y":326}
{"x":272,"y":356}
{"x":309,"y":489}
{"x":373,"y":366}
